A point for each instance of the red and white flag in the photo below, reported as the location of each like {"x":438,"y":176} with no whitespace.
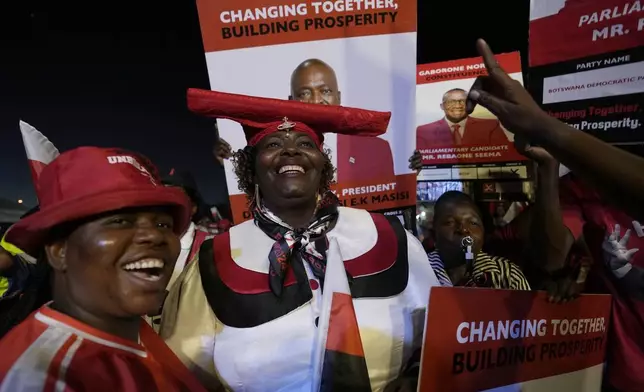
{"x":339,"y":362}
{"x":40,"y":151}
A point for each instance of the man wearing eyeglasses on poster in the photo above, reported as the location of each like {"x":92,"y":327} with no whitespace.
{"x":457,"y":128}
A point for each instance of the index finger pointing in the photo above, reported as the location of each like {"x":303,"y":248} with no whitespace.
{"x":478,"y":85}
{"x":492,"y":66}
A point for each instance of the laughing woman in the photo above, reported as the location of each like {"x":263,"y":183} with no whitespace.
{"x":246,"y":315}
{"x":111,"y":238}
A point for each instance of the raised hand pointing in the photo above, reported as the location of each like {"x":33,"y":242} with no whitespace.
{"x":506,"y":98}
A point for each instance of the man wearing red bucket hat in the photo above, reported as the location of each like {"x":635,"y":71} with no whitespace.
{"x":110,"y":231}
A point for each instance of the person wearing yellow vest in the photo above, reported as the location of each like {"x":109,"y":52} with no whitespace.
{"x":10,"y":256}
{"x":9,"y":248}
{"x":24,"y":284}
{"x":6,"y":262}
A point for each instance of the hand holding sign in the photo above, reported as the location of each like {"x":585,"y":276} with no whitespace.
{"x":564,"y":289}
{"x":505,"y":97}
{"x":416,"y":161}
{"x":222,"y":150}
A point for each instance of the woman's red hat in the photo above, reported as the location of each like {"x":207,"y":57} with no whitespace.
{"x":262,"y":116}
{"x":88,"y":181}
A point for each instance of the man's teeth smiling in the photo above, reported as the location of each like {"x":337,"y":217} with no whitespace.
{"x":291,"y":169}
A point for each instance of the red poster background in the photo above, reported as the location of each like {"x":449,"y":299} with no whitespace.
{"x":560,"y":37}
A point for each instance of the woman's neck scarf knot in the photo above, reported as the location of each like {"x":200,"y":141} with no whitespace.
{"x":291,"y":245}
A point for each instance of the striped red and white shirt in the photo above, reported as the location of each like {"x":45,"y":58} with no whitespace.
{"x":50,"y":351}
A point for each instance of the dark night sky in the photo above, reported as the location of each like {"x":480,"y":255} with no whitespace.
{"x":115,"y":74}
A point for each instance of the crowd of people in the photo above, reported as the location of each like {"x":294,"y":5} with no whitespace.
{"x":128,"y":281}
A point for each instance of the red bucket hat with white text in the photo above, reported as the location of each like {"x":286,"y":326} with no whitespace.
{"x":88,"y":181}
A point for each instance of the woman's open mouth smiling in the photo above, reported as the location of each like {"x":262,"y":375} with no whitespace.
{"x":290,"y":170}
{"x":150,"y":270}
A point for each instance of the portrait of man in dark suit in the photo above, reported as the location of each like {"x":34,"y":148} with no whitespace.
{"x":358,"y":158}
{"x":456,"y":128}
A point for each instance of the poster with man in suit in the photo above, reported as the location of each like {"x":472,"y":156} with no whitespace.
{"x":308,"y":53}
{"x":451,"y":129}
{"x":456,"y":145}
{"x":314,"y":81}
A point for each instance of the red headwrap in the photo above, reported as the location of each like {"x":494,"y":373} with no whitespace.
{"x":263,"y":116}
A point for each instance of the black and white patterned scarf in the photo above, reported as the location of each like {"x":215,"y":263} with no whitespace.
{"x":472,"y":278}
{"x":292,"y":245}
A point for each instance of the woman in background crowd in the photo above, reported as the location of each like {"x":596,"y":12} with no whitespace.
{"x":202,"y":226}
{"x":246,"y":314}
{"x":456,"y":218}
{"x":111,"y":239}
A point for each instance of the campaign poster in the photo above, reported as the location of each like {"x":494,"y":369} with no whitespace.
{"x":453,"y":144}
{"x":587,"y":65}
{"x":516,"y":342}
{"x":355,"y":53}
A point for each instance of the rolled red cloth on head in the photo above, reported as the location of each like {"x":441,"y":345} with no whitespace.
{"x":263,"y":116}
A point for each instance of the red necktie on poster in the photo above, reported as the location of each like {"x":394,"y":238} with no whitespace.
{"x":457,"y":135}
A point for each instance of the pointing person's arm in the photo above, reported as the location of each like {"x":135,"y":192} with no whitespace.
{"x":550,"y":239}
{"x":616,"y":174}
